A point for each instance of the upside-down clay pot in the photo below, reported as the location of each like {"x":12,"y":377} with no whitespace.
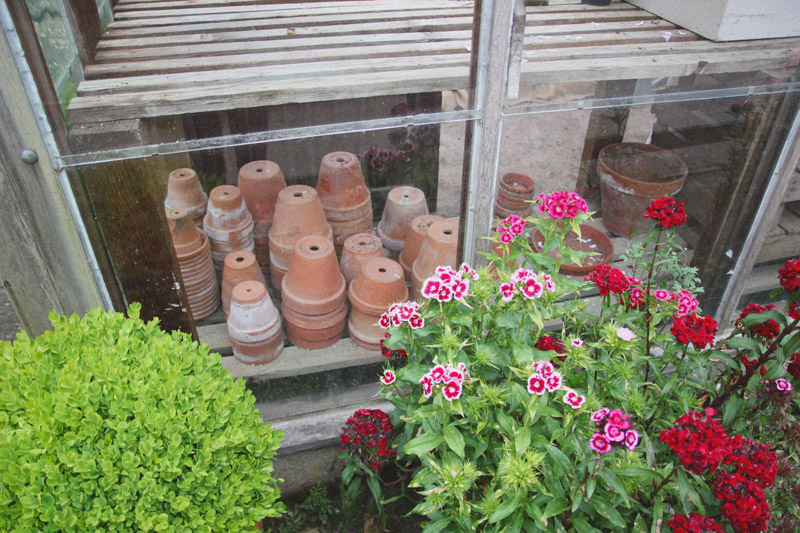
{"x":260,"y":183}
{"x":344,"y":196}
{"x":254,"y":325}
{"x":416,"y":234}
{"x":378,"y":285}
{"x":298,"y":214}
{"x":239,"y":266}
{"x":228,"y":224}
{"x":358,"y":249}
{"x":313,"y":299}
{"x":194,"y":260}
{"x":184,"y":190}
{"x":514,"y":195}
{"x":403,"y":205}
{"x":439,"y":248}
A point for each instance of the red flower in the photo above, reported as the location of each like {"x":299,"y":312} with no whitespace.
{"x":768,"y":329}
{"x":694,"y":523}
{"x":366,"y":434}
{"x":666,"y":211}
{"x":743,"y":502}
{"x":546,"y":343}
{"x":699,"y":442}
{"x":609,"y":280}
{"x":699,"y":330}
{"x":754,"y":460}
{"x":794,"y":365}
{"x":789,"y":275}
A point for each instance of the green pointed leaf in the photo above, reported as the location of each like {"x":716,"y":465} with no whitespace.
{"x":509,"y":505}
{"x":614,"y":483}
{"x":555,"y":507}
{"x":422,"y":443}
{"x":561,"y":460}
{"x":523,"y":440}
{"x":454,"y":440}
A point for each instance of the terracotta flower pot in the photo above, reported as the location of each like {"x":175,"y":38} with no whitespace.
{"x":184,"y":190}
{"x":591,"y":240}
{"x":358,"y":249}
{"x":194,"y":260}
{"x":239,"y":266}
{"x":298,"y":214}
{"x":514,"y":194}
{"x":344,"y":196}
{"x":378,"y":285}
{"x":631,"y":176}
{"x":314,"y":332}
{"x":228,"y":224}
{"x":416,"y":234}
{"x":403,"y":205}
{"x":254,"y":325}
{"x":260,"y":183}
{"x":439,"y":248}
{"x":313,"y":284}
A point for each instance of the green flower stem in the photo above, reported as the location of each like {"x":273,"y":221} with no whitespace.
{"x":648,"y":317}
{"x":667,"y":478}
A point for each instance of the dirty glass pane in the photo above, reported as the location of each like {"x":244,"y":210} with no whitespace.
{"x":57,"y":46}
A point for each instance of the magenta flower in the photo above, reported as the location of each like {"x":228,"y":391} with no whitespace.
{"x":545,"y":368}
{"x":613,"y":433}
{"x":427,"y":385}
{"x":576,"y":343}
{"x":507,"y":291}
{"x":662,"y":295}
{"x":388,"y":377}
{"x":783,"y":385}
{"x":536,"y":384}
{"x":437,"y":373}
{"x":631,"y":439}
{"x":600,"y":443}
{"x":618,"y":419}
{"x":574,"y":400}
{"x":600,"y":414}
{"x":553,"y":382}
{"x":452,"y":390}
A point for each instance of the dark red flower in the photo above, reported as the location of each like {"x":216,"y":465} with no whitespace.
{"x":789,"y":275}
{"x":793,"y":310}
{"x":746,"y":361}
{"x":609,"y":280}
{"x":546,"y":343}
{"x":698,"y":441}
{"x":367,"y":435}
{"x":767,"y":330}
{"x":699,"y":330}
{"x":667,"y":211}
{"x":694,"y":523}
{"x":794,"y":365}
{"x":742,"y":502}
{"x":753,"y":459}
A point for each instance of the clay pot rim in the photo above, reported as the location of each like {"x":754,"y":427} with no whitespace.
{"x":323,"y":320}
{"x":187,"y":256}
{"x":377,"y":306}
{"x":516,"y":189}
{"x":644,"y":189}
{"x":313,"y":307}
{"x":604,"y":243}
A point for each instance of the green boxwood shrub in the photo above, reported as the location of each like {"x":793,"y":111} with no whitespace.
{"x":111,"y":424}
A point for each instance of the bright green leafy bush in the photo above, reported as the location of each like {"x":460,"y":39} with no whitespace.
{"x":111,"y":424}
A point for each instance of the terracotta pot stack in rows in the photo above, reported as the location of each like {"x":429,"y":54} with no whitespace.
{"x":228,"y":224}
{"x":514,"y":195}
{"x":403,"y":205}
{"x":344,"y":196}
{"x":254,"y":325}
{"x":194,"y":259}
{"x":314,"y":304}
{"x":378,"y":285}
{"x":298,"y":214}
{"x":439,"y":248}
{"x":260,"y":183}
{"x":416,"y":234}
{"x":184,"y":190}
{"x":239,"y":267}
{"x":358,"y":249}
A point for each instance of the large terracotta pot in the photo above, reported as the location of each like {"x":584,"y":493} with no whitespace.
{"x":591,"y":240}
{"x":514,"y":194}
{"x":184,"y":190}
{"x":403,"y":205}
{"x":632,"y":175}
{"x":228,"y":224}
{"x":298,"y":214}
{"x":260,"y":183}
{"x":439,"y":248}
{"x":194,"y":260}
{"x":314,"y":284}
{"x":416,"y":234}
{"x":344,"y":196}
{"x":378,"y":285}
{"x":239,"y":266}
{"x":254,"y":325}
{"x":358,"y":249}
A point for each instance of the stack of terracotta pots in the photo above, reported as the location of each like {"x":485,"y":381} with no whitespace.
{"x":298,"y":214}
{"x":314,"y":304}
{"x":239,"y":267}
{"x":439,"y":248}
{"x":254,"y":325}
{"x":184,"y":190}
{"x":403,"y":205}
{"x":379,"y":284}
{"x":260,"y":182}
{"x":194,"y":259}
{"x":344,"y":195}
{"x":358,"y":249}
{"x":228,"y":224}
{"x":514,"y":195}
{"x":416,"y":234}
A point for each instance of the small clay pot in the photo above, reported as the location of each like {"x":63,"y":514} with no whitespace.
{"x":239,"y":266}
{"x":379,"y":284}
{"x":260,"y":183}
{"x":314,"y":332}
{"x":344,"y":196}
{"x":228,"y":224}
{"x":403,"y":205}
{"x":298,"y":214}
{"x":314,"y":284}
{"x":439,"y":248}
{"x":416,"y":234}
{"x":194,"y":260}
{"x":186,"y":237}
{"x":184,"y":190}
{"x":254,"y":325}
{"x":358,"y":249}
{"x":514,"y":195}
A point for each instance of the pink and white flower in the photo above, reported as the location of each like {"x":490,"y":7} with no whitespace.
{"x":625,"y":334}
{"x":521,"y":274}
{"x":460,"y":289}
{"x":553,"y":382}
{"x":416,"y":321}
{"x":783,"y":385}
{"x":618,"y":419}
{"x":453,"y":374}
{"x":468,"y":272}
{"x":574,"y":400}
{"x":663,"y":295}
{"x":427,"y":385}
{"x":576,"y":343}
{"x":613,"y":433}
{"x":531,"y":288}
{"x":445,"y":294}
{"x":631,"y":439}
{"x":687,"y":303}
{"x":600,"y":443}
{"x":388,"y":377}
{"x":537,"y":384}
{"x":545,"y":368}
{"x":452,"y":390}
{"x":600,"y":414}
{"x":507,"y":291}
{"x":437,"y":373}
{"x":431,"y":286}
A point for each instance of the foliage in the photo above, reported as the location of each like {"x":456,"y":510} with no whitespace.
{"x":111,"y":424}
{"x":507,"y":432}
{"x":318,"y":505}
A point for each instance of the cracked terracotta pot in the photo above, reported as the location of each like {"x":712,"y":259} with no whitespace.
{"x":239,"y":266}
{"x":439,"y":248}
{"x":403,"y":205}
{"x":514,"y":195}
{"x":298,"y":214}
{"x":416,"y":234}
{"x":254,"y":325}
{"x":228,"y":224}
{"x":358,"y":249}
{"x":260,"y":183}
{"x":194,"y":260}
{"x":378,"y":285}
{"x":344,"y":196}
{"x":184,"y":190}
